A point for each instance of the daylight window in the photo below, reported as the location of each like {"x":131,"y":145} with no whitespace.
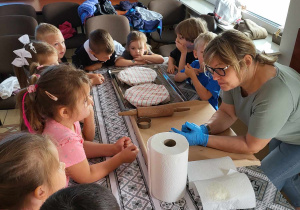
{"x":273,"y":10}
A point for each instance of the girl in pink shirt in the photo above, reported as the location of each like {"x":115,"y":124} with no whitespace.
{"x":54,"y":106}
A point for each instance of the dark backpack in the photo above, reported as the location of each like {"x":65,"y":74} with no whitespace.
{"x":104,"y":7}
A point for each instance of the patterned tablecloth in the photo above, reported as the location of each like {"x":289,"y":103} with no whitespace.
{"x":128,"y":183}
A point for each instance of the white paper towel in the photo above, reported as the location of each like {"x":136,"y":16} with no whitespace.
{"x":232,"y":191}
{"x":208,"y":169}
{"x":219,"y":185}
{"x":167,"y":166}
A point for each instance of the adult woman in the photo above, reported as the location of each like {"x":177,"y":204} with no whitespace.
{"x":266,"y":97}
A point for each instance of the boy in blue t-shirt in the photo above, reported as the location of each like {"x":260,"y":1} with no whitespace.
{"x":207,"y":88}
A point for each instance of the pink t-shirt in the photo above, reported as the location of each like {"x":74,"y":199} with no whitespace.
{"x":68,"y":143}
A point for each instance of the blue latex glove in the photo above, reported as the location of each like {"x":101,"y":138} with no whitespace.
{"x":196,"y":135}
{"x":185,"y":129}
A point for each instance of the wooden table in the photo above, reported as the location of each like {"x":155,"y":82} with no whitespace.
{"x":129,"y":182}
{"x":199,"y":113}
{"x":38,"y":4}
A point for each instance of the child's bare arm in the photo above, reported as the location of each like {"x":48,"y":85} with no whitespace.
{"x":88,"y":130}
{"x":93,"y":149}
{"x":182,"y":61}
{"x":121,"y":61}
{"x":171,"y":65}
{"x":183,"y":50}
{"x":180,"y":77}
{"x":93,"y":67}
{"x":85,"y":173}
{"x":202,"y":92}
{"x":154,"y":58}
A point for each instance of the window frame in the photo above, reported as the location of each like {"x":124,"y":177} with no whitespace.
{"x":269,"y":25}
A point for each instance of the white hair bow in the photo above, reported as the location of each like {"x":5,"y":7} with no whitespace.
{"x":21,"y":60}
{"x":24,"y":39}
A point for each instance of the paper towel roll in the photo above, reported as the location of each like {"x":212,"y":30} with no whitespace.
{"x":167,"y":166}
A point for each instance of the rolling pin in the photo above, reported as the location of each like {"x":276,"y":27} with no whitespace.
{"x":154,"y":111}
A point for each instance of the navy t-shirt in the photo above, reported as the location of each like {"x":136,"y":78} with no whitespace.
{"x":176,"y":54}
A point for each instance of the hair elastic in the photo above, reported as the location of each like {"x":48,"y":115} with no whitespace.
{"x":30,"y":89}
{"x":37,"y":75}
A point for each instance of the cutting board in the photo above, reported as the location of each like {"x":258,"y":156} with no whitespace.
{"x":199,"y":113}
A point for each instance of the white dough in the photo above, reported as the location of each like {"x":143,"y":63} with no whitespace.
{"x":137,"y":75}
{"x":147,"y":95}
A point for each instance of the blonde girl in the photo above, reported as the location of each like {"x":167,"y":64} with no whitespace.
{"x":54,"y":106}
{"x":30,"y":171}
{"x":137,"y":51}
{"x":41,"y":54}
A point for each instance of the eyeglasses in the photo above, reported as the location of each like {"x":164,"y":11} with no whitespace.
{"x":219,"y":71}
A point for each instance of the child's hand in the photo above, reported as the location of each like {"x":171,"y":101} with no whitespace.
{"x":91,"y":101}
{"x":140,"y":58}
{"x":148,"y":62}
{"x":129,"y":154}
{"x":96,"y":79}
{"x":171,"y":68}
{"x":91,"y":115}
{"x":198,"y":71}
{"x":122,"y":143}
{"x":140,"y":62}
{"x":181,"y":47}
{"x":189,"y":71}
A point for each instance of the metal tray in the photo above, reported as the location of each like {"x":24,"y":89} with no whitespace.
{"x":161,"y":79}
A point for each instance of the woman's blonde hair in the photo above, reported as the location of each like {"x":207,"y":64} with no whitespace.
{"x":190,"y":28}
{"x":26,"y":162}
{"x":137,"y":36}
{"x":231,"y":47}
{"x":59,"y":85}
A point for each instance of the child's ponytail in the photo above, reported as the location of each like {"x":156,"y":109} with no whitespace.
{"x":57,"y":86}
{"x":30,"y":117}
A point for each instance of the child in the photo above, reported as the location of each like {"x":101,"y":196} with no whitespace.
{"x":30,"y":171}
{"x":46,"y":32}
{"x":187,"y":31}
{"x":54,"y":106}
{"x":42,"y":54}
{"x":84,"y":197}
{"x":52,"y":35}
{"x":137,"y":51}
{"x":98,"y":50}
{"x":206,"y":87}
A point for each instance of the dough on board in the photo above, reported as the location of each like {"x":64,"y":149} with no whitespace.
{"x":147,"y":95}
{"x":137,"y":75}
